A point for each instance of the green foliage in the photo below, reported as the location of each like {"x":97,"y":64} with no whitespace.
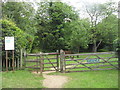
{"x":21,"y":38}
{"x":9,"y":29}
{"x":103,"y":24}
{"x":22,"y":13}
{"x":79,"y":35}
{"x":103,"y":50}
{"x":57,"y":25}
{"x":51,"y":29}
{"x":107,"y":29}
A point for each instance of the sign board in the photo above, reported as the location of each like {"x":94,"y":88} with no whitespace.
{"x":9,"y":43}
{"x":93,"y":60}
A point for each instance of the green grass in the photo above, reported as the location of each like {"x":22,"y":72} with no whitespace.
{"x":0,"y":80}
{"x":21,"y":79}
{"x":92,"y":79}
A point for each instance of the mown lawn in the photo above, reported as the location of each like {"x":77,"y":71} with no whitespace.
{"x":92,"y":79}
{"x":21,"y":79}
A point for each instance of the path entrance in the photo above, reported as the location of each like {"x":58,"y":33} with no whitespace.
{"x":53,"y":81}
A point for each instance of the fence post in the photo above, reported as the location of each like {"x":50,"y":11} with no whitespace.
{"x":6,"y":60}
{"x":62,"y":61}
{"x":37,"y":63}
{"x":21,"y":58}
{"x":57,"y":60}
{"x":25,"y":55}
{"x":41,"y":64}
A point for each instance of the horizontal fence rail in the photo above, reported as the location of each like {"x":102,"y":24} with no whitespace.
{"x":102,"y":53}
{"x":38,"y":54}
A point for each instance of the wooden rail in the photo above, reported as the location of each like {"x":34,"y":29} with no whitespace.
{"x":89,"y":58}
{"x":90,"y":54}
{"x":38,"y":54}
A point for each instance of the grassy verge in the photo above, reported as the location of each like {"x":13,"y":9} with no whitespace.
{"x":21,"y":79}
{"x":0,"y":80}
{"x":92,"y":79}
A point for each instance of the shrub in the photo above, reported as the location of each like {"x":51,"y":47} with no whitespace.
{"x":22,"y":39}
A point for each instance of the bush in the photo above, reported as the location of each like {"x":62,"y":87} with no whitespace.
{"x":36,"y":50}
{"x":22,"y":40}
{"x":103,"y":50}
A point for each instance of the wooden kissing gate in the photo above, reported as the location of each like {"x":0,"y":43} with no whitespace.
{"x":61,"y":62}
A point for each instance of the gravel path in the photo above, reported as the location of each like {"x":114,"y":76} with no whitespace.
{"x":54,"y":81}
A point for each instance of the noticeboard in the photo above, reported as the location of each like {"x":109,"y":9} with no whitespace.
{"x":9,"y":43}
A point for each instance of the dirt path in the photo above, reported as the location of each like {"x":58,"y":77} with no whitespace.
{"x":54,"y":81}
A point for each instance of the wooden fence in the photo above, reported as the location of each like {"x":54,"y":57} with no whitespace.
{"x":89,"y":62}
{"x":42,"y":61}
{"x":8,"y":64}
{"x":71,"y":62}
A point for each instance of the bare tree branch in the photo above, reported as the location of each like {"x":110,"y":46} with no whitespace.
{"x":99,"y":44}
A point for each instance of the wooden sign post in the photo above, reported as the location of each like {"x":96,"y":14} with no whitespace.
{"x":9,"y":45}
{"x":13,"y":65}
{"x":7,"y":61}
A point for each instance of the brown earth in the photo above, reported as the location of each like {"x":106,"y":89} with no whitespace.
{"x":53,"y":81}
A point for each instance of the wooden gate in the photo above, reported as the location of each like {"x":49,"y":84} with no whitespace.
{"x":71,"y":62}
{"x":88,"y":62}
{"x":42,"y":61}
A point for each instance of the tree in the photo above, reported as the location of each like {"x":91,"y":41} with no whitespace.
{"x":21,"y":38}
{"x":97,"y":13}
{"x":50,"y":19}
{"x":22,"y":13}
{"x":108,"y":30}
{"x":79,"y":36}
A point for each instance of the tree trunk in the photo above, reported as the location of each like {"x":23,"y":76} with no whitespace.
{"x":94,"y":46}
{"x":78,"y":50}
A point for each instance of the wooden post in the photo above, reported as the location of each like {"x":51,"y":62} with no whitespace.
{"x":62,"y":61}
{"x":21,"y":56}
{"x":25,"y":55}
{"x":57,"y":61}
{"x":37,"y":63}
{"x":13,"y":65}
{"x":18,"y":63}
{"x":7,"y":61}
{"x":41,"y":64}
